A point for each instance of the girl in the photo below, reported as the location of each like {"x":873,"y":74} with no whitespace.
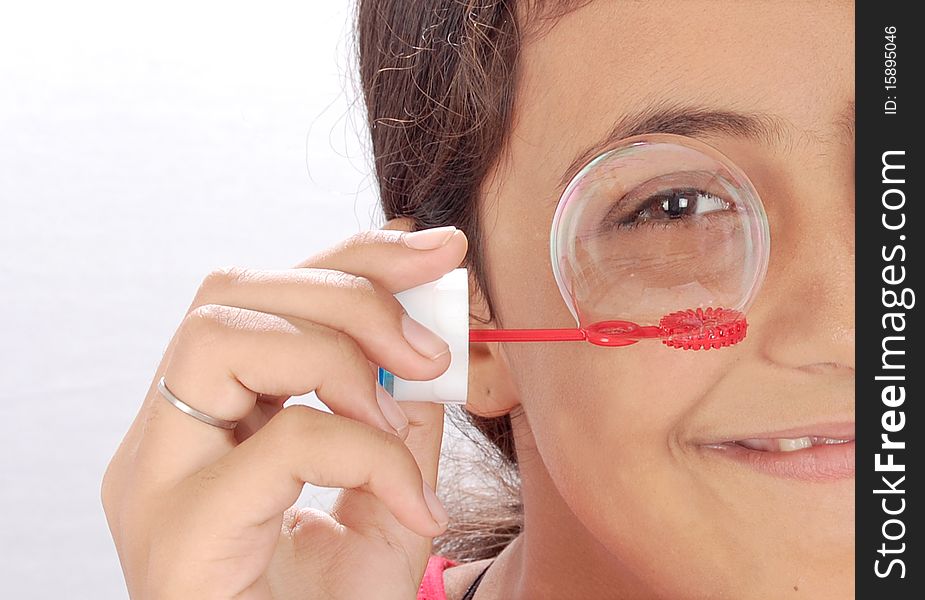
{"x":645,"y":472}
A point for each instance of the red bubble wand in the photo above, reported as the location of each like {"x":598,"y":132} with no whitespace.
{"x":691,"y":329}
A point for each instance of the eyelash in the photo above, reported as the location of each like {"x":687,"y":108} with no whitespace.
{"x":634,"y":221}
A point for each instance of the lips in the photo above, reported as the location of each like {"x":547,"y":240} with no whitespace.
{"x":788,"y":444}
{"x":823,"y":455}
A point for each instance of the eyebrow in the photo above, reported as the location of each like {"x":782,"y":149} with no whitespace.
{"x":692,"y":121}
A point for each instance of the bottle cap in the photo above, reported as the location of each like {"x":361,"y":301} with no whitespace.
{"x":443,"y":307}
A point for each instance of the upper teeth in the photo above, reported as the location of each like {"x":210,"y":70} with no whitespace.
{"x":788,"y":444}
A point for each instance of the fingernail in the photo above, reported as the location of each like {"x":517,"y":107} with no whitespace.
{"x":422,"y":339}
{"x":428,"y":239}
{"x":435,"y":507}
{"x":393,"y":413}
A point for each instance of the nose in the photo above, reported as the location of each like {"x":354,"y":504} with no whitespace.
{"x":805,"y":316}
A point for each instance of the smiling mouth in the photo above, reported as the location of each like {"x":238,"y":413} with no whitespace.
{"x":787,"y":444}
{"x":813,"y":458}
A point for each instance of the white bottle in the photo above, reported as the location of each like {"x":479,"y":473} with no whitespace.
{"x":443,"y":307}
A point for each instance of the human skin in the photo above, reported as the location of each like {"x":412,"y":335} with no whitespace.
{"x":197,"y":511}
{"x":622,"y":499}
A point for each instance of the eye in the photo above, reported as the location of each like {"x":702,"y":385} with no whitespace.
{"x":675,"y":199}
{"x":676,"y":204}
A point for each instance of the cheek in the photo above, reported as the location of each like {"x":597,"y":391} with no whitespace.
{"x":608,"y":416}
{"x":607,"y":423}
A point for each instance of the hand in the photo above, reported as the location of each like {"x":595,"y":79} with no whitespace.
{"x":197,"y":511}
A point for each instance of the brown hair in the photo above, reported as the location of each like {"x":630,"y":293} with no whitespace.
{"x":438,"y":78}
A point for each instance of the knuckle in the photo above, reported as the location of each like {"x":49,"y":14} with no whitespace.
{"x":387,"y":303}
{"x":370,"y":238}
{"x":219,"y":279}
{"x":361,"y":286}
{"x":391,"y":449}
{"x":391,"y":444}
{"x":337,"y":281}
{"x":346,"y":347}
{"x":342,"y":280}
{"x":294,"y":422}
{"x":393,"y":456}
{"x":332,"y":278}
{"x":204,"y":324}
{"x":108,"y":492}
{"x":372,"y":297}
{"x":207,"y":316}
{"x":219,"y":316}
{"x":352,"y":364}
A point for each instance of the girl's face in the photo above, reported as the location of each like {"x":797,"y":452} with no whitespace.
{"x":618,"y":446}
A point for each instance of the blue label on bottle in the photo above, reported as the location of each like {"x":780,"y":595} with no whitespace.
{"x":386,"y":380}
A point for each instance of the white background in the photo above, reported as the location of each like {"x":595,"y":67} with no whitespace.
{"x":142,"y":145}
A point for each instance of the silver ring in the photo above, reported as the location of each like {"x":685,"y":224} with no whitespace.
{"x":183,"y":406}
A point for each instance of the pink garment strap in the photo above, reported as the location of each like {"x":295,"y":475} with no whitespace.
{"x":432,"y":583}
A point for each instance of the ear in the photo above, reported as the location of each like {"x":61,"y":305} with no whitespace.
{"x":492,"y":392}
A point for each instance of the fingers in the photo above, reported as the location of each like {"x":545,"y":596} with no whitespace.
{"x":353,"y":304}
{"x":425,"y":433}
{"x":363,"y":512}
{"x":356,"y":302}
{"x":396,"y":260}
{"x":220,"y":358}
{"x":224,"y":355}
{"x":263,"y":476}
